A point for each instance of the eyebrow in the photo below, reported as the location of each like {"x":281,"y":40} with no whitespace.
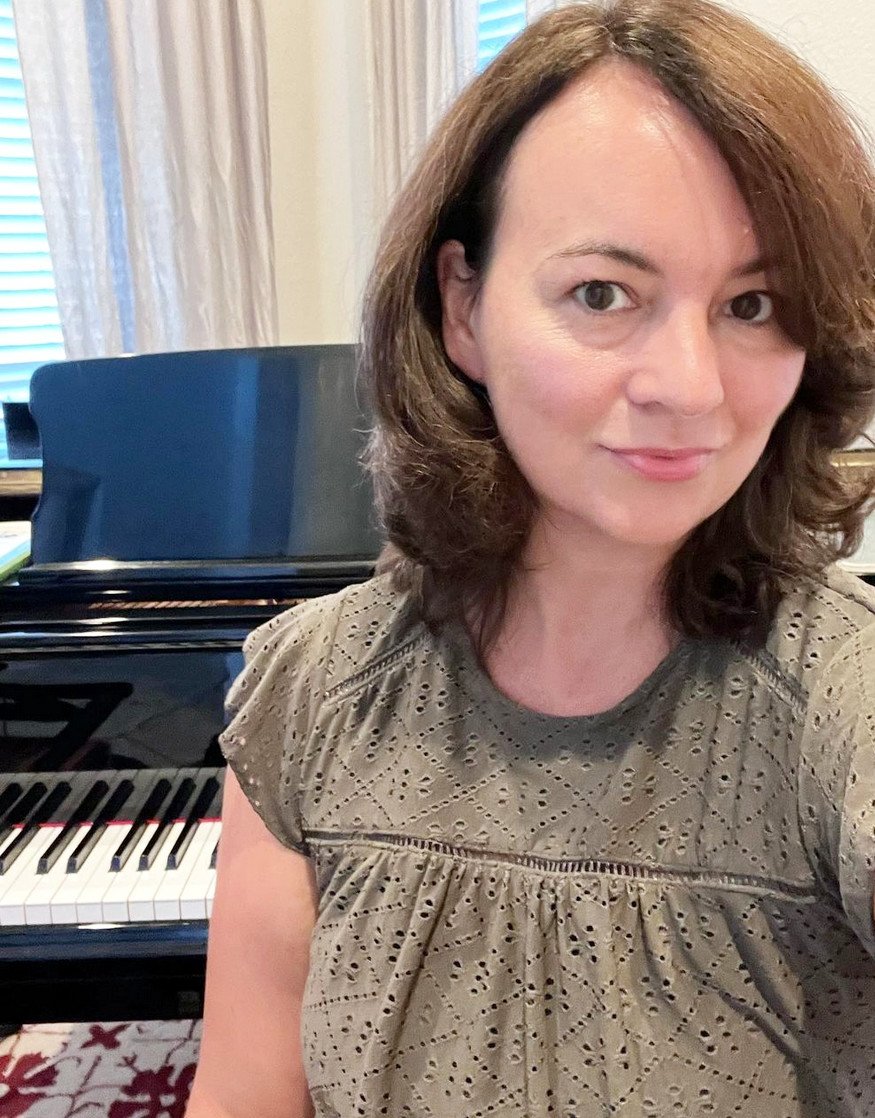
{"x":643,"y":263}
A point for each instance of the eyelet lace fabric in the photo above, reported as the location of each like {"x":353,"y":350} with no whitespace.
{"x":661,"y":909}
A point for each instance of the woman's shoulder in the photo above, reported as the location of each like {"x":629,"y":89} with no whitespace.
{"x":832,"y":608}
{"x":817,"y":622}
{"x":341,"y":633}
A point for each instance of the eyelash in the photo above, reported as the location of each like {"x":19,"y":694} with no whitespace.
{"x":611,"y":283}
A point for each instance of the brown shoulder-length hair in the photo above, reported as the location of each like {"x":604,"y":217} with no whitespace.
{"x":455,"y":508}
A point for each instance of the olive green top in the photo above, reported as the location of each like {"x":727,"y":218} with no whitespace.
{"x":662,"y":909}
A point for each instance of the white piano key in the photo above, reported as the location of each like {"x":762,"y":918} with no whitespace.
{"x":193,"y":900}
{"x":38,"y":903}
{"x":141,"y":900}
{"x":114,"y":904}
{"x":22,"y":876}
{"x":211,"y":892}
{"x":39,"y":837}
{"x":89,"y":897}
{"x":167,"y":898}
{"x":74,"y":887}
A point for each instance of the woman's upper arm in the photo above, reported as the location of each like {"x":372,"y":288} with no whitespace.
{"x":837,"y":780}
{"x":262,"y":921}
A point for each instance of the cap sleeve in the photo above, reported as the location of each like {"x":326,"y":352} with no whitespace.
{"x":837,"y":781}
{"x":271,"y":707}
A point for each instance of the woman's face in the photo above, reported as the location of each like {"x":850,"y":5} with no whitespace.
{"x":624,"y":306}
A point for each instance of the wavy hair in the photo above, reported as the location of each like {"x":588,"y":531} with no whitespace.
{"x":456,"y":510}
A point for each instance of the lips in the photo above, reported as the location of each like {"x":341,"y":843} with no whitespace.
{"x":664,"y":465}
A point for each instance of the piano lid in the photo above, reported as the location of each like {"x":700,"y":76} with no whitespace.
{"x":248,"y":454}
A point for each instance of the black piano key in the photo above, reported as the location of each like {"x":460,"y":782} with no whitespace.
{"x":7,"y":798}
{"x":20,"y":810}
{"x":82,"y":813}
{"x":108,"y":813}
{"x":215,"y":855}
{"x":214,"y":811}
{"x":148,"y":811}
{"x":174,"y":810}
{"x":41,"y":814}
{"x":195,"y":817}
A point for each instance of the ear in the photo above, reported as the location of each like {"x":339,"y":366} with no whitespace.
{"x":459,"y":286}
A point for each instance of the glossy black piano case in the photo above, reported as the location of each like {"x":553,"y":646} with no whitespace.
{"x":218,"y":454}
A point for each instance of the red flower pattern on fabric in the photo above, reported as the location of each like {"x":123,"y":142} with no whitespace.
{"x":156,"y":1085}
{"x":23,"y":1076}
{"x":104,"y":1038}
{"x":140,"y":1069}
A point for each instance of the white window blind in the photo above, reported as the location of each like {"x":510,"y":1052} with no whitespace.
{"x":30,"y":330}
{"x":498,"y":22}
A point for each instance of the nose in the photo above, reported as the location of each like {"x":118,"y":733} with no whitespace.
{"x":679,"y":368}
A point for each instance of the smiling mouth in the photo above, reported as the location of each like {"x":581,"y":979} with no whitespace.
{"x":679,"y":466}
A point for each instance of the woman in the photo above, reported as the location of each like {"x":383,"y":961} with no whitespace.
{"x":572,"y":809}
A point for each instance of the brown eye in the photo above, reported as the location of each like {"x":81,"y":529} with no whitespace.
{"x":754,"y":307}
{"x":600,"y":295}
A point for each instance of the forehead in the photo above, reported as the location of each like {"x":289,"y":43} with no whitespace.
{"x":615,"y":155}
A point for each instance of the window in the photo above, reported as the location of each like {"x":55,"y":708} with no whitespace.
{"x":498,"y":22}
{"x":30,"y":330}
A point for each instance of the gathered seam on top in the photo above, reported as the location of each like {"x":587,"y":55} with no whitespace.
{"x":584,"y":867}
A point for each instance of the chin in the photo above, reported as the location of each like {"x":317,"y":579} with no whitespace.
{"x":649,"y":527}
{"x":659,"y":535}
{"x":665,"y":519}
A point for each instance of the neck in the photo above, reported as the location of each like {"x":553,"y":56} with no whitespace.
{"x":588,"y":591}
{"x":583,"y":627}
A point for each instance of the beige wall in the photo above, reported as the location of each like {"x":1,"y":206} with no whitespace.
{"x":836,"y":36}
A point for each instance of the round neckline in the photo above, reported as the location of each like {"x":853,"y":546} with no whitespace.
{"x":479,"y":684}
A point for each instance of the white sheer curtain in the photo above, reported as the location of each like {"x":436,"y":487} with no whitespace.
{"x":150,"y":131}
{"x":419,"y":55}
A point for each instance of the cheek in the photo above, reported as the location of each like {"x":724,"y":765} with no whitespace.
{"x":545,"y":374}
{"x":762,"y":395}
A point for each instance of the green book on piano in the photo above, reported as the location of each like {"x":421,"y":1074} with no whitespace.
{"x":14,"y":546}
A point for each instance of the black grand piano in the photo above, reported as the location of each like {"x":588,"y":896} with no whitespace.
{"x":186,"y":499}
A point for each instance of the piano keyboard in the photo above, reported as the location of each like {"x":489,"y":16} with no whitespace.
{"x":108,"y":848}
